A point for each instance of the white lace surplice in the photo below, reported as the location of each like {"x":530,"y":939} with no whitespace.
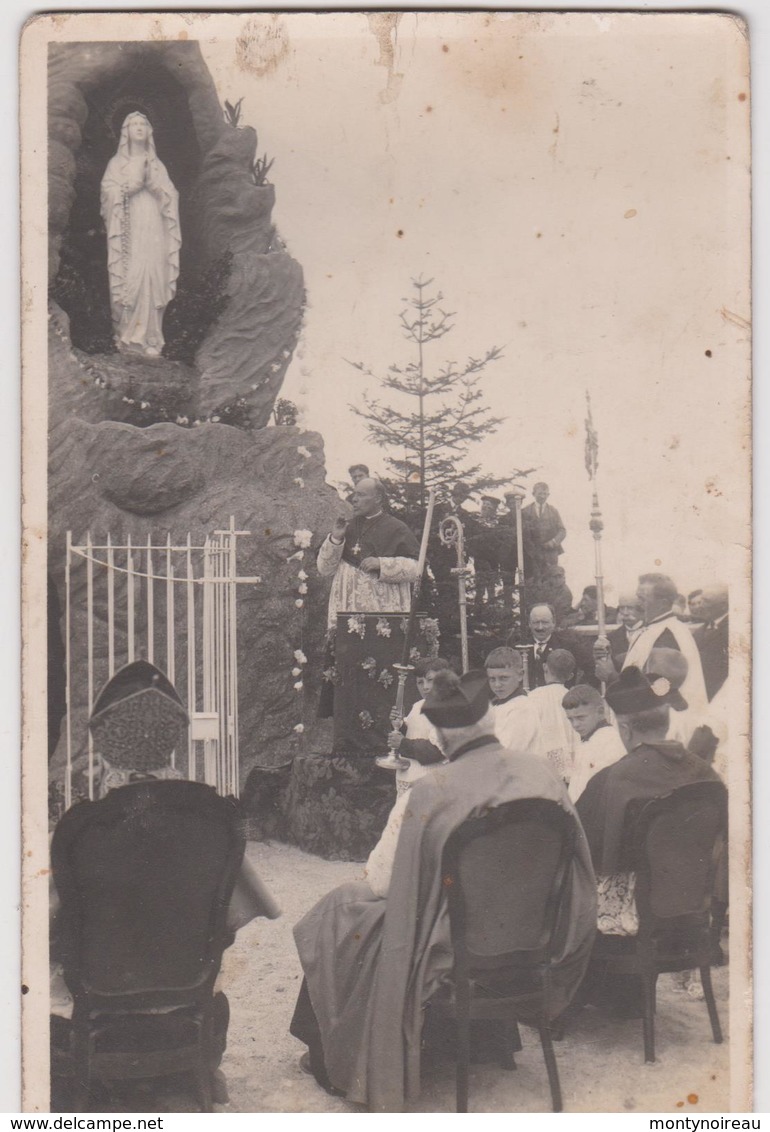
{"x":616,"y":907}
{"x":357,"y":592}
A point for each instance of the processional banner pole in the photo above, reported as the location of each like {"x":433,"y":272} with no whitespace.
{"x":451,"y":534}
{"x":596,"y":524}
{"x":393,"y":761}
{"x":519,"y":493}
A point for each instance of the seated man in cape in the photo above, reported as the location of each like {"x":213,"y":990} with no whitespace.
{"x":653,"y":766}
{"x":374,"y":953}
{"x":373,"y":558}
{"x":137,"y":722}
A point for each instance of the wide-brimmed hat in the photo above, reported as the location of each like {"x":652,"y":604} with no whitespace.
{"x":634,"y":692}
{"x":138,"y":718}
{"x":668,"y":665}
{"x":457,"y":701}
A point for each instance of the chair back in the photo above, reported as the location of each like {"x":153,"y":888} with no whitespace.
{"x":145,"y":877}
{"x":677,"y":842}
{"x":505,"y":874}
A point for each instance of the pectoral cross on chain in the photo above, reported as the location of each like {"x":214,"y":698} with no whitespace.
{"x":356,"y":549}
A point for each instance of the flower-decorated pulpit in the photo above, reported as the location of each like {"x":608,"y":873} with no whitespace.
{"x":335,"y":802}
{"x":367,"y":646}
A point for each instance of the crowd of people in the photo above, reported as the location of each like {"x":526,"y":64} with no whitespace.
{"x":591,"y":723}
{"x":374,"y":953}
{"x":596,"y":723}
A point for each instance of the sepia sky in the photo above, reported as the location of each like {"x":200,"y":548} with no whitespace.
{"x":577,"y":188}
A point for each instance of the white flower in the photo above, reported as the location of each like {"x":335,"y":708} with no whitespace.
{"x":302,"y":576}
{"x":299,"y":728}
{"x":299,"y":481}
{"x":300,"y":657}
{"x":296,"y":671}
{"x":144,"y":405}
{"x":298,"y":686}
{"x":303,"y":538}
{"x":302,"y":588}
{"x":304,"y":451}
{"x":299,"y":554}
{"x":299,"y":603}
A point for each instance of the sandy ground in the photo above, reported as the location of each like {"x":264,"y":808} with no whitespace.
{"x":601,"y":1063}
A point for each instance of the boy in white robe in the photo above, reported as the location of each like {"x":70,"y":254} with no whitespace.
{"x":556,"y":735}
{"x":515,"y":721}
{"x":599,"y":743}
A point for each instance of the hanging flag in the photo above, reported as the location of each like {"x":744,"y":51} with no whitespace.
{"x":592,"y":441}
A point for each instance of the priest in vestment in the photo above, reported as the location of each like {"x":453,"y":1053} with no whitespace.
{"x":663,"y":629}
{"x":373,"y":558}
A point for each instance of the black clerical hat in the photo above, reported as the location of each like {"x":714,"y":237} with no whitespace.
{"x":634,"y":692}
{"x":457,"y":701}
{"x":138,"y":718}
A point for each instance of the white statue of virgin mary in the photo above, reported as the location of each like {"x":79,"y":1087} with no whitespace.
{"x":140,"y":208}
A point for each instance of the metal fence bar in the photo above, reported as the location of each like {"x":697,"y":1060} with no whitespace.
{"x":221,"y":671}
{"x":209,"y":663}
{"x":130,"y":601}
{"x":68,"y":668}
{"x":191,"y":676}
{"x":170,"y":617}
{"x":233,"y":624}
{"x":90,"y":632}
{"x":110,"y":609}
{"x":81,"y":551}
{"x":150,"y":606}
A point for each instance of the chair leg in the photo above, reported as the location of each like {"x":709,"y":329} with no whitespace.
{"x":708,"y":994}
{"x":509,"y":1042}
{"x":204,"y":1089}
{"x":550,"y":1065}
{"x":462,"y":995}
{"x":81,"y":1057}
{"x":648,"y":1015}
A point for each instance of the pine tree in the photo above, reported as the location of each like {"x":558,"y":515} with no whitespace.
{"x":438,"y":414}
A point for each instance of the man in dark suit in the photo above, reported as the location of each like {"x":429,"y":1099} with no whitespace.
{"x":543,"y":531}
{"x":546,"y":638}
{"x":631,"y":623}
{"x":713,"y":638}
{"x":483,"y":546}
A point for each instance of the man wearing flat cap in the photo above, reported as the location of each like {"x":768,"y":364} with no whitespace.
{"x":374,"y":953}
{"x":653,"y":766}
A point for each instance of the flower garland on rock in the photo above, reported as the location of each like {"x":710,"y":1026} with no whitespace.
{"x":302,"y":540}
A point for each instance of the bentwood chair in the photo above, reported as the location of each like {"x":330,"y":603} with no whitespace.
{"x":145,"y":877}
{"x":676,"y":844}
{"x":505,"y":875}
